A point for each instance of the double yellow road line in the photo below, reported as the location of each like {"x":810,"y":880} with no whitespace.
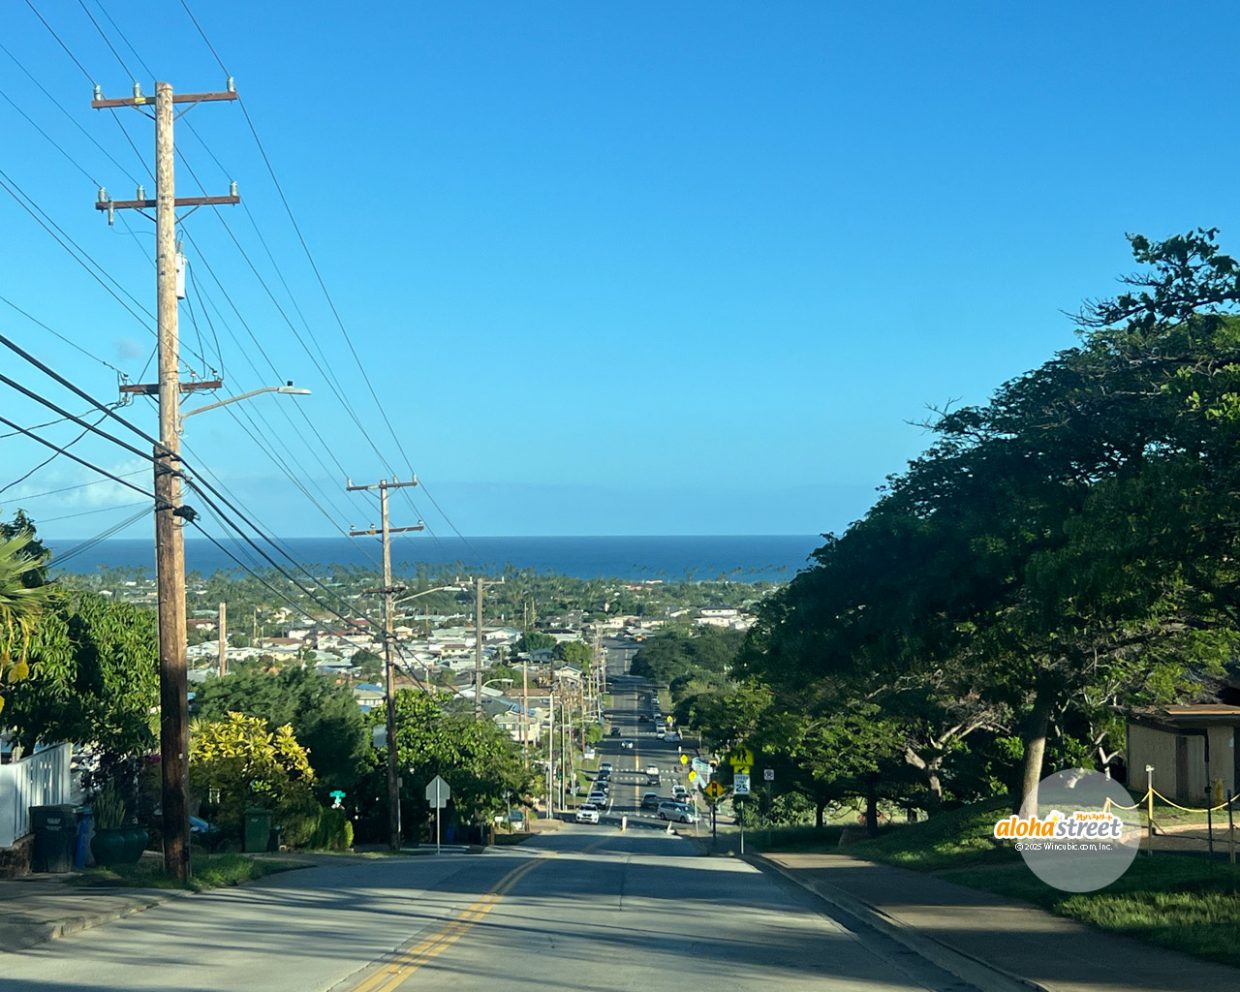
{"x":392,"y":974}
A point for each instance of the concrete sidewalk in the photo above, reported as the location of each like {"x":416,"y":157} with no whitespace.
{"x":992,"y":942}
{"x":37,"y":908}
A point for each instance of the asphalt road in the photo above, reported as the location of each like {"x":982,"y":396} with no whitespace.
{"x":587,"y":907}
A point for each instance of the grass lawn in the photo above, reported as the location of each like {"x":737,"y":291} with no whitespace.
{"x":210,"y":871}
{"x":1183,"y":902}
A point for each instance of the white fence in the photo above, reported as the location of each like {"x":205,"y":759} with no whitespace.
{"x":39,"y":780}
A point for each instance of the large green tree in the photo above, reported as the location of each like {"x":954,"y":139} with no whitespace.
{"x":94,"y":677}
{"x":324,"y":716}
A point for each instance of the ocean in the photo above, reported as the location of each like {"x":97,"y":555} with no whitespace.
{"x":748,"y":558}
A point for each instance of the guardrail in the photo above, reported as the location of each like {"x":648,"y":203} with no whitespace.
{"x":39,"y":780}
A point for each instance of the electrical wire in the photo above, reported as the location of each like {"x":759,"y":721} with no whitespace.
{"x":81,"y":461}
{"x":56,"y":334}
{"x":107,"y":41}
{"x":79,"y":549}
{"x":330,"y":301}
{"x":60,"y":41}
{"x":67,"y":489}
{"x":50,"y":458}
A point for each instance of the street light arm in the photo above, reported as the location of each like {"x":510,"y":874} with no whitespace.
{"x":288,"y":389}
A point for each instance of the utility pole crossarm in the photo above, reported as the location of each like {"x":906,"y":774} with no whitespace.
{"x":139,"y":100}
{"x":181,"y":201}
{"x":378,"y":531}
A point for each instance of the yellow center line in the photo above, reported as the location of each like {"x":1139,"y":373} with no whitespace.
{"x":405,"y":963}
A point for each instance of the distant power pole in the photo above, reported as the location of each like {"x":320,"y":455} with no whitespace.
{"x":223,"y":642}
{"x":169,"y":541}
{"x":479,"y":584}
{"x":389,"y":684}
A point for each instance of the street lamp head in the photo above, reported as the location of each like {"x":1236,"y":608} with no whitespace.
{"x":289,"y":389}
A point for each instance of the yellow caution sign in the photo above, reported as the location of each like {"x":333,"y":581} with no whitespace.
{"x":684,"y":759}
{"x":714,"y":791}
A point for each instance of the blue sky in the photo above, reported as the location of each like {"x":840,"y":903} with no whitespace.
{"x":634,"y":268}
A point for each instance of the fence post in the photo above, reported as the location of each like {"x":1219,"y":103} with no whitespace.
{"x":1149,"y":808}
{"x":1209,"y":822}
{"x":1231,"y":831}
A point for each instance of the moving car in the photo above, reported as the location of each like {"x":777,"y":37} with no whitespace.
{"x":615,"y":731}
{"x":677,"y":812}
{"x":679,"y":792}
{"x":652,"y":771}
{"x":626,"y":745}
{"x":673,"y":737}
{"x":660,"y":733}
{"x":604,"y":768}
{"x":587,"y":813}
{"x":651,"y":800}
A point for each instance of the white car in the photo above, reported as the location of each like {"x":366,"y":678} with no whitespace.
{"x":652,"y":771}
{"x":626,"y":745}
{"x":661,"y":734}
{"x":587,"y":813}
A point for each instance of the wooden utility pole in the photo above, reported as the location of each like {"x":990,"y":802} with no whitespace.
{"x":389,"y":591}
{"x":525,"y":712}
{"x":223,"y":641}
{"x":478,"y":584}
{"x":169,"y":540}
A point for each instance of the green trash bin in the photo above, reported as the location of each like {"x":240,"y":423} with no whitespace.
{"x":257,"y":830}
{"x":55,"y":837}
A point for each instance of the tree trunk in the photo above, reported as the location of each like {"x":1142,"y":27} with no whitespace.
{"x":1035,"y":750}
{"x":871,"y":807}
{"x":819,"y":807}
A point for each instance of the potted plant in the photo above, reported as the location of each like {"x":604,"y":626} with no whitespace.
{"x":111,"y":841}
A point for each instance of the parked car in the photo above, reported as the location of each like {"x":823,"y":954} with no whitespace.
{"x":651,"y":800}
{"x":587,"y":813}
{"x":677,"y":812}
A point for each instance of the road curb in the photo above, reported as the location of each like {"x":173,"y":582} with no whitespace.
{"x":983,"y":975}
{"x":21,"y":936}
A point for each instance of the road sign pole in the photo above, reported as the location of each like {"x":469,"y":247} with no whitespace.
{"x":740,"y":816}
{"x":438,"y":813}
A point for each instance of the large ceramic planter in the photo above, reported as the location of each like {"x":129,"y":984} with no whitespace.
{"x":136,"y":839}
{"x":109,"y":846}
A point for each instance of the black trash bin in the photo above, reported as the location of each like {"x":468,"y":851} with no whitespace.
{"x":55,"y":837}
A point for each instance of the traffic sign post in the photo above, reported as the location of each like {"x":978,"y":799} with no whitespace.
{"x":438,"y":792}
{"x":740,"y":784}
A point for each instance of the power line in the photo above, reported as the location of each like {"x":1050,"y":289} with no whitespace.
{"x":70,"y":455}
{"x":64,"y":110}
{"x":79,"y":549}
{"x":88,"y":513}
{"x":106,"y":40}
{"x":56,"y":334}
{"x":67,"y":489}
{"x":52,"y":32}
{"x":330,"y":301}
{"x":50,"y":458}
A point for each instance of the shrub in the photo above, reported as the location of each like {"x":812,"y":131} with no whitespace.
{"x":333,"y":831}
